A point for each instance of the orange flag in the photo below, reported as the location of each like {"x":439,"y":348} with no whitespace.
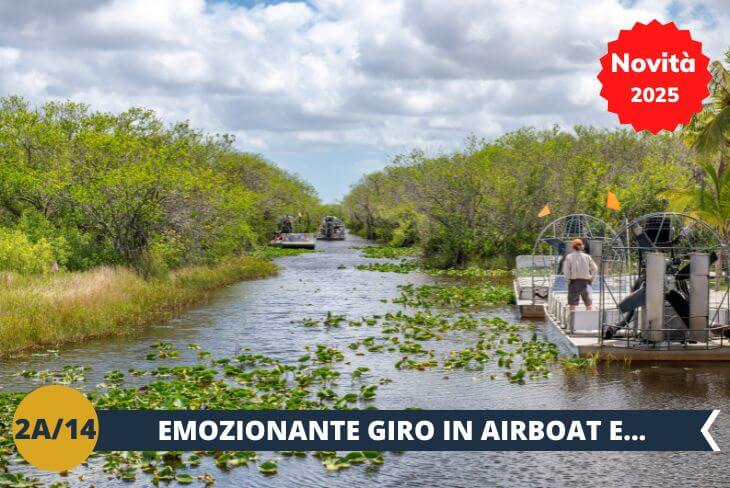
{"x":612,"y":201}
{"x":544,"y":212}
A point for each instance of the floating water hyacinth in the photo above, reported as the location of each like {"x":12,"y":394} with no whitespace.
{"x":387,"y":251}
{"x":276,"y":252}
{"x":67,"y":376}
{"x":407,"y":265}
{"x":472,"y":296}
{"x":403,"y":267}
{"x":242,"y":382}
{"x":268,"y":467}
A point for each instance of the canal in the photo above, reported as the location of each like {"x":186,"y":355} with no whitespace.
{"x":265,"y":317}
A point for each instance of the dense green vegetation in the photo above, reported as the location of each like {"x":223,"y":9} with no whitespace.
{"x":85,"y":188}
{"x":481,"y":203}
{"x":460,"y":296}
{"x":708,"y":195}
{"x":137,"y":220}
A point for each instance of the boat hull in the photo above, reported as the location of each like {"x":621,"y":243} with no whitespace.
{"x":532,"y":311}
{"x":295,"y":241}
{"x":528,"y":308}
{"x":588,"y":346}
{"x":297,"y":245}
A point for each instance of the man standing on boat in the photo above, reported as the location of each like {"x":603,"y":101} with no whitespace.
{"x":579,"y":270}
{"x":286,"y":225}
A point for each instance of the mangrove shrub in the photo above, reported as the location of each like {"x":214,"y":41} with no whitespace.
{"x":481,"y":203}
{"x":106,"y":188}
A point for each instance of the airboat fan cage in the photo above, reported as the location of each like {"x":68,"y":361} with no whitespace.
{"x":664,"y":284}
{"x":544,"y":267}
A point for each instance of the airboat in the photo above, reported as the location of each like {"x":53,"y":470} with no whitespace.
{"x":287,"y":239}
{"x":294,"y":241}
{"x":538,"y":276}
{"x":332,"y":229}
{"x":662,"y":292}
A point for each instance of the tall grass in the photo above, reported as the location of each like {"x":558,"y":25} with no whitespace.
{"x":49,"y":310}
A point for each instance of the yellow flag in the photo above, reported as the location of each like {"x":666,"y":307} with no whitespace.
{"x":544,"y":212}
{"x":612,"y":201}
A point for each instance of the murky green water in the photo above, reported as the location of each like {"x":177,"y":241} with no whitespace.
{"x":264,"y":316}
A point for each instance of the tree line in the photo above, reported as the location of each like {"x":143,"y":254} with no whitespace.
{"x":482,"y":203}
{"x":81,"y":188}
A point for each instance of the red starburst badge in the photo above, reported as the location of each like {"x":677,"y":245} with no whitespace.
{"x":654,"y":76}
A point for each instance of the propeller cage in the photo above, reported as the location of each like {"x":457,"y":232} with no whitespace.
{"x":554,"y":242}
{"x":664,"y":283}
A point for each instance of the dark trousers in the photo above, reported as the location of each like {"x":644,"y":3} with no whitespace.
{"x":578,"y":289}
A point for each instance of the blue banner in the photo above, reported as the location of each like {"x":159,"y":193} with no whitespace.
{"x":406,"y":430}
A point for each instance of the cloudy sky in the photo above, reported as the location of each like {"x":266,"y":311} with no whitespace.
{"x":332,"y":89}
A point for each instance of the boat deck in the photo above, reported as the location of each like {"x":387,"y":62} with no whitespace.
{"x":578,"y":333}
{"x":619,"y":349}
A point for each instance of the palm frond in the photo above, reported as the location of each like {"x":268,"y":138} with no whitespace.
{"x":712,"y":136}
{"x":683,"y":199}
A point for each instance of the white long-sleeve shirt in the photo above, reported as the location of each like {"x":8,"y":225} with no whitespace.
{"x":579,"y":266}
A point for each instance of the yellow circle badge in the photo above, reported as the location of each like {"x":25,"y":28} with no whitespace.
{"x":55,"y":428}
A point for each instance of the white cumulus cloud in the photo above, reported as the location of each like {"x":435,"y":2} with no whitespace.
{"x":323,"y":86}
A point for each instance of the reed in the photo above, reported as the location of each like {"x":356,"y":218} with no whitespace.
{"x":46,"y":311}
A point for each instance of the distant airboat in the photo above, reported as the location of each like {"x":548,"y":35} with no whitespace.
{"x":332,"y":229}
{"x":286,"y":238}
{"x":294,"y":241}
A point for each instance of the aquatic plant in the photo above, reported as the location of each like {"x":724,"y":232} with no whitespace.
{"x":19,"y":480}
{"x":245,"y":381}
{"x":408,"y":363}
{"x":330,"y":320}
{"x":470,"y":272}
{"x":387,"y":251}
{"x":268,"y":467}
{"x":583,"y":363}
{"x":164,"y":351}
{"x":333,"y":319}
{"x":269,"y":252}
{"x":66,"y":376}
{"x":402,"y":267}
{"x":472,"y":296}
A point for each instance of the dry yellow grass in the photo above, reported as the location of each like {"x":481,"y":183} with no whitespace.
{"x":49,"y":310}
